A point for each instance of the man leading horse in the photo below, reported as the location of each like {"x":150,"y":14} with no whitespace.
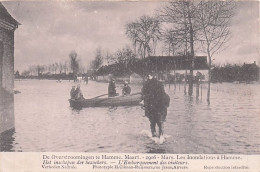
{"x":156,"y":102}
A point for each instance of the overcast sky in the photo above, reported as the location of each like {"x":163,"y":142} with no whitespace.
{"x":50,"y":30}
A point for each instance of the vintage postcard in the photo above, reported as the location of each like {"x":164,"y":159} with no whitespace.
{"x":129,"y":86}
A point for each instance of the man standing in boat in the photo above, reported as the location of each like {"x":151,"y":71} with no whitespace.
{"x":156,"y":102}
{"x":72,"y":92}
{"x":112,"y":88}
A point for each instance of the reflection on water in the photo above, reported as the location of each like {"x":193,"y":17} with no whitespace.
{"x":6,"y":120}
{"x":6,"y":110}
{"x":45,"y":122}
{"x":6,"y":141}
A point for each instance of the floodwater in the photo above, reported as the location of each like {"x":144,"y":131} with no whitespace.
{"x":44,"y":121}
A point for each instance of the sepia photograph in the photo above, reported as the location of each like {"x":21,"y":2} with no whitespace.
{"x":142,"y":77}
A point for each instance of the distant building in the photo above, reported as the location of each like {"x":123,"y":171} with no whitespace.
{"x":7,"y":27}
{"x":161,"y":65}
{"x":176,"y":65}
{"x":168,"y":63}
{"x":118,"y":71}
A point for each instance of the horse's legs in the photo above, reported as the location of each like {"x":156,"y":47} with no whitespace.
{"x":152,"y":126}
{"x":161,"y":127}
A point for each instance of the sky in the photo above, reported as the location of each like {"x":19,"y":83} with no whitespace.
{"x":50,"y":30}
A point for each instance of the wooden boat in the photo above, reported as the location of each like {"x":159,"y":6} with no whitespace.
{"x":129,"y":100}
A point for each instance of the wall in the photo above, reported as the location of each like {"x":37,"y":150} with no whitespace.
{"x":7,"y":79}
{"x":118,"y":79}
{"x":204,"y":72}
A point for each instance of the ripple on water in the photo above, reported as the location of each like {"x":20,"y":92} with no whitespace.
{"x":45,"y":122}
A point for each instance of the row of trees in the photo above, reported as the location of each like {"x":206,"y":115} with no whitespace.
{"x":72,"y":66}
{"x":189,"y":27}
{"x":230,"y":73}
{"x":55,"y":68}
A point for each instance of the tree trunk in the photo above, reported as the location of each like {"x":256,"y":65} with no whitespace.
{"x":190,"y":80}
{"x":143,"y":66}
{"x":174,"y":76}
{"x":190,"y":91}
{"x":209,"y":79}
{"x":197,"y":89}
{"x":200,"y":90}
{"x":208,"y":94}
{"x":185,"y":82}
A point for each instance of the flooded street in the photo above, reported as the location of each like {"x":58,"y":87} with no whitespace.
{"x":44,"y":121}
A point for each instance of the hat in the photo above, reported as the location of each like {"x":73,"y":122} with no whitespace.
{"x":150,"y":76}
{"x":126,"y":82}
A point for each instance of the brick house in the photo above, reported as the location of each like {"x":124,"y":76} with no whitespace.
{"x":7,"y":27}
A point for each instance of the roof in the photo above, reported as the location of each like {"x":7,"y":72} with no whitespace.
{"x":155,"y":63}
{"x":175,"y":62}
{"x":5,"y":16}
{"x":117,"y":69}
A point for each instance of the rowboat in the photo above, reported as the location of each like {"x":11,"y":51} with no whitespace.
{"x":128,"y":100}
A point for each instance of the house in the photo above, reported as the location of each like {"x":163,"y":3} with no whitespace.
{"x":168,"y":66}
{"x":168,"y":63}
{"x":163,"y":66}
{"x":7,"y":27}
{"x":118,"y":71}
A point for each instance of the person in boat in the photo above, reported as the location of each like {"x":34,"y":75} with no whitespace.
{"x":126,"y":89}
{"x":78,"y":93}
{"x":72,"y":92}
{"x":86,"y":79}
{"x":75,"y":78}
{"x":156,"y":102}
{"x":112,"y":88}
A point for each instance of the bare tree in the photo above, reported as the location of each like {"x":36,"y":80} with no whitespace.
{"x":39,"y":69}
{"x":173,"y":41}
{"x":181,"y":15}
{"x":74,"y":65}
{"x":144,"y":33}
{"x":50,"y":68}
{"x":30,"y":70}
{"x":60,"y":67}
{"x":124,"y":55}
{"x":110,"y":58}
{"x":214,"y":19}
{"x":98,"y":61}
{"x":56,"y":67}
{"x":65,"y":67}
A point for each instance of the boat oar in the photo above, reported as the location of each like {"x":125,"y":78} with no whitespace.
{"x":135,"y":93}
{"x":107,"y":94}
{"x":99,"y":96}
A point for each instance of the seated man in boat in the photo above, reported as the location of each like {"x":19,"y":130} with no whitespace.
{"x":78,"y":93}
{"x":126,"y":89}
{"x":112,"y":88}
{"x":72,"y":92}
{"x":156,"y":102}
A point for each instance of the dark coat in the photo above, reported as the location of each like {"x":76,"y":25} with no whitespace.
{"x":126,"y":90}
{"x":111,"y":89}
{"x":72,"y":93}
{"x":78,"y":94}
{"x":155,"y":99}
{"x":153,"y":92}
